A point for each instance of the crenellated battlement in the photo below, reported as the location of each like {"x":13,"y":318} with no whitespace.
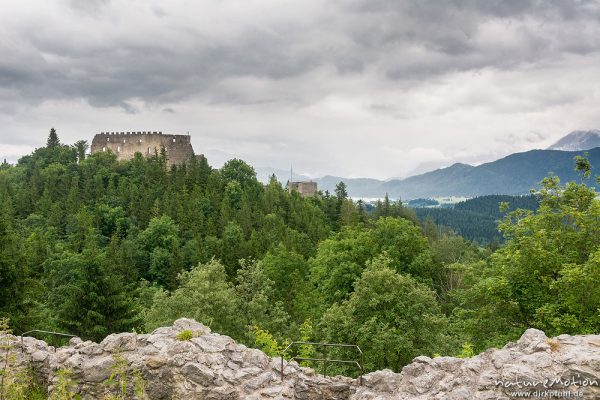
{"x":134,"y":133}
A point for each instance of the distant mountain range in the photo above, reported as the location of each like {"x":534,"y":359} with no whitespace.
{"x":515,"y":174}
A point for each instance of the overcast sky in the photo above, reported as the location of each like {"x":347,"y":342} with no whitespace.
{"x":373,"y":88}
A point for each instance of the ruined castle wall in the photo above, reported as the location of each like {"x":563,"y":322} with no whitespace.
{"x":213,"y":366}
{"x":125,"y":144}
{"x":306,"y":189}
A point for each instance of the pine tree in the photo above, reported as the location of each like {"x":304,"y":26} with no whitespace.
{"x":89,"y":300}
{"x":341,"y":192}
{"x":52,"y":139}
{"x":386,"y":206}
{"x":429,"y":229}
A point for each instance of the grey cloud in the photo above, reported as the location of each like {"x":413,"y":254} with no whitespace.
{"x":403,"y":42}
{"x":159,"y":11}
{"x":533,"y":137}
{"x":129,"y":108}
{"x":448,"y":33}
{"x":441,"y":10}
{"x":87,"y":7}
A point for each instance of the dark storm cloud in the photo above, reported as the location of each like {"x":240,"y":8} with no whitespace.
{"x":421,"y":39}
{"x":110,"y":73}
{"x":109,"y":54}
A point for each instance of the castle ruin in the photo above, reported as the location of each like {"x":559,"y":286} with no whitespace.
{"x":306,"y":189}
{"x":124,"y":145}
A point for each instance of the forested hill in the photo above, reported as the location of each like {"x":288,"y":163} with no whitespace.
{"x":91,"y":246}
{"x":490,"y":205}
{"x":477,"y":219}
{"x":515,"y":174}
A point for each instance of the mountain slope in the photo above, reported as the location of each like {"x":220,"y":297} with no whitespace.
{"x":578,"y":140}
{"x":513,"y":175}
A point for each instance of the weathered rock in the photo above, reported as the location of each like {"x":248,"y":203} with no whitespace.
{"x":199,"y":374}
{"x":97,"y":369}
{"x":119,"y":342}
{"x":212,"y":366}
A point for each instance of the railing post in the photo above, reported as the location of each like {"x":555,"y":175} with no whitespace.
{"x":324,"y":360}
{"x":362,"y":366}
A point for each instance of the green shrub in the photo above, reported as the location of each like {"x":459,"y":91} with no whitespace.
{"x":264,"y":341}
{"x":185,"y":335}
{"x":15,"y":382}
{"x":63,"y":389}
{"x":467,"y":351}
{"x":306,"y":335}
{"x":121,"y":376}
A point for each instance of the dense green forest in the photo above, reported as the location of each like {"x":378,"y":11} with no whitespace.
{"x":488,"y":205}
{"x":90,"y":246}
{"x":477,"y":219}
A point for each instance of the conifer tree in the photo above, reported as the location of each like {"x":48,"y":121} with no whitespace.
{"x":89,"y":300}
{"x":52,"y":139}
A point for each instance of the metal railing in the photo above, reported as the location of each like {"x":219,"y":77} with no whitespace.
{"x":41,"y":331}
{"x":359,"y":364}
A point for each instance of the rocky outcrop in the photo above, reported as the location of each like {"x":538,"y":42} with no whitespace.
{"x":212,"y":366}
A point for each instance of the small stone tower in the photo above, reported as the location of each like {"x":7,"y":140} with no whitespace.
{"x":125,"y":144}
{"x":306,"y":189}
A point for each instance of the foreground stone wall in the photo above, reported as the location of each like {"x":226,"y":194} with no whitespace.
{"x":212,"y":366}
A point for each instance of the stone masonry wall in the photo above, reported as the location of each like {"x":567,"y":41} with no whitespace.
{"x":306,"y":189}
{"x":212,"y":366}
{"x":125,"y":144}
